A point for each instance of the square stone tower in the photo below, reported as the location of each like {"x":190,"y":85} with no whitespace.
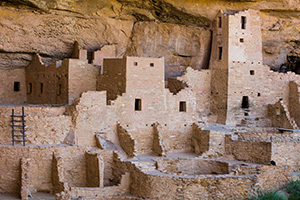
{"x":236,"y":64}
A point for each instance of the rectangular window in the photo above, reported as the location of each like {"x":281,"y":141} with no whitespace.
{"x":220,"y":22}
{"x":252,"y":72}
{"x":241,"y":40}
{"x":151,"y":64}
{"x":182,"y":106}
{"x":16,"y":86}
{"x":29,"y":88}
{"x":42,"y":87}
{"x":59,"y":90}
{"x":138,"y":105}
{"x":243,"y":21}
{"x":135,"y":64}
{"x":220,"y":53}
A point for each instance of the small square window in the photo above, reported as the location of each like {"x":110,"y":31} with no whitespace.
{"x":135,"y":64}
{"x":241,"y":40}
{"x":151,"y":64}
{"x":16,"y":86}
{"x":258,"y":94}
{"x":138,"y":105}
{"x":252,"y":72}
{"x":182,"y":106}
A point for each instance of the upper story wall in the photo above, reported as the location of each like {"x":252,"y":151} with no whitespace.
{"x":145,"y":74}
{"x":245,"y":42}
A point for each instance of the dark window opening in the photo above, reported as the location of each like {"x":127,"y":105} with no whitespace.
{"x":243,"y":21}
{"x":90,"y":57}
{"x":151,"y":64}
{"x":42,"y":87}
{"x":273,"y":162}
{"x":182,"y":106}
{"x":220,"y":53}
{"x":59,"y":90}
{"x":241,"y":40}
{"x":135,"y":64}
{"x":29,"y":89}
{"x":252,"y":72}
{"x":16,"y":86}
{"x":258,"y":94}
{"x":138,"y":105}
{"x":246,"y":114}
{"x":220,"y":22}
{"x":245,"y":102}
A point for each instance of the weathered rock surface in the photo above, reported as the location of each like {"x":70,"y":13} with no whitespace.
{"x":176,"y":29}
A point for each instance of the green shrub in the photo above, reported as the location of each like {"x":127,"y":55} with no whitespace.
{"x":269,"y":195}
{"x":293,"y":189}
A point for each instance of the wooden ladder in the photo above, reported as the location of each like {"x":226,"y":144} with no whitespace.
{"x":18,"y":127}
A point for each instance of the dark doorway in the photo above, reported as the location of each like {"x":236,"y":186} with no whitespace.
{"x":245,"y":102}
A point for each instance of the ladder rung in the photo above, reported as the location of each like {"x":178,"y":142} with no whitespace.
{"x":20,"y":135}
{"x":18,"y":125}
{"x":19,"y":130}
{"x":18,"y":120}
{"x":20,"y":140}
{"x":18,"y":115}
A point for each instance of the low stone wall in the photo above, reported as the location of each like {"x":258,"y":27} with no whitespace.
{"x":41,"y":164}
{"x":191,"y":166}
{"x":40,"y":129}
{"x":210,"y":142}
{"x":255,"y":152}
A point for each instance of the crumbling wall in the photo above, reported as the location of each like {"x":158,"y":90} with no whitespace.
{"x":158,"y":147}
{"x":41,"y":82}
{"x":8,"y":95}
{"x":280,"y":116}
{"x":255,"y":152}
{"x":91,"y":115}
{"x":200,"y":140}
{"x":126,"y":141}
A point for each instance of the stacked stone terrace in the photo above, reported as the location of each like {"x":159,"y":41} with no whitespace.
{"x":221,"y":133}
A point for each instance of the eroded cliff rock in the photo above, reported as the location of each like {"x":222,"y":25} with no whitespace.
{"x":176,"y":29}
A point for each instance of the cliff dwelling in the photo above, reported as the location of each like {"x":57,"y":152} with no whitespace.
{"x":103,"y":126}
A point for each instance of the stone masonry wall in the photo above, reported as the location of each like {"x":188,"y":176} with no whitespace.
{"x":256,"y":152}
{"x":7,"y":93}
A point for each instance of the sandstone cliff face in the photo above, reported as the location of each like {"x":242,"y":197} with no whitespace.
{"x":176,"y":29}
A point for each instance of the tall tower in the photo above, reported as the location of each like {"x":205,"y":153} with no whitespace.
{"x":235,"y":63}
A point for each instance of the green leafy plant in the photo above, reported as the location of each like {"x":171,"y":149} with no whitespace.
{"x":293,"y":189}
{"x":269,"y":195}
